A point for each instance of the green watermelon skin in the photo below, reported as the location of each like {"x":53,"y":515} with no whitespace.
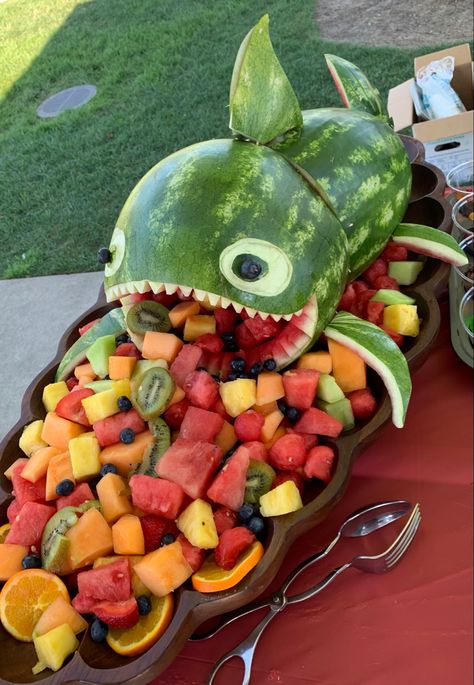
{"x":195,"y":203}
{"x":361,"y":168}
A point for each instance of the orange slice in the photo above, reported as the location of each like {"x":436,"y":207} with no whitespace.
{"x":213,"y":578}
{"x":146,"y":632}
{"x":24,"y":597}
{"x":4,"y":532}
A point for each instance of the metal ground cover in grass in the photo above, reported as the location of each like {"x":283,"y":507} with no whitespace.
{"x":71,"y":98}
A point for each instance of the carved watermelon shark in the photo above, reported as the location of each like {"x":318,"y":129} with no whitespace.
{"x":277,"y":219}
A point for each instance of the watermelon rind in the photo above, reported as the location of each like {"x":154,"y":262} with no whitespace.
{"x":112,"y":323}
{"x":379,"y":352}
{"x":430,"y":241}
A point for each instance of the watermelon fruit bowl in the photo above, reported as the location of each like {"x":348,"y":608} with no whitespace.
{"x":96,"y":663}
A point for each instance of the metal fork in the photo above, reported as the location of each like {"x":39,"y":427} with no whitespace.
{"x":380,"y":563}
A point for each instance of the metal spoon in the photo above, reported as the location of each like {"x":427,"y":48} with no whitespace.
{"x":360,"y":523}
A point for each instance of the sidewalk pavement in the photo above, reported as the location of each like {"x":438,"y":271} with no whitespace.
{"x":35,"y":312}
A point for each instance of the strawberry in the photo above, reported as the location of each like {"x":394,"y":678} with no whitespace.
{"x":288,"y":452}
{"x":224,"y":518}
{"x":72,"y":382}
{"x":153,"y":527}
{"x":118,"y":614}
{"x":232,"y":543}
{"x":319,"y":463}
{"x":248,"y":426}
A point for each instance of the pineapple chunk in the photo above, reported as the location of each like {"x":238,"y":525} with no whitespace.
{"x":402,"y":318}
{"x":101,"y":405}
{"x":197,"y":525}
{"x":54,"y":647}
{"x":239,"y":395}
{"x":30,"y":439}
{"x":52,"y":393}
{"x":84,"y":452}
{"x":281,"y":500}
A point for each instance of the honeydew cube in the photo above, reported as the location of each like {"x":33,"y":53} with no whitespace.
{"x":283,"y":499}
{"x":328,"y":390}
{"x":238,"y":395}
{"x":98,"y":354}
{"x":405,"y":273}
{"x":101,"y":405}
{"x":402,"y":318}
{"x":340,"y":410}
{"x":197,"y":524}
{"x":54,"y":647}
{"x":52,"y":393}
{"x":84,"y":452}
{"x":30,"y":439}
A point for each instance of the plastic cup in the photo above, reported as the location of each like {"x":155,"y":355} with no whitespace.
{"x":465,"y":273}
{"x":463,"y":217}
{"x":461,"y":179}
{"x":466,"y":313}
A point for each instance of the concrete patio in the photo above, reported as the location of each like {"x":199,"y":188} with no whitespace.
{"x":35,"y":314}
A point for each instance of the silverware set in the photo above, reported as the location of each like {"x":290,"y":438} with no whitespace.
{"x":359,"y":524}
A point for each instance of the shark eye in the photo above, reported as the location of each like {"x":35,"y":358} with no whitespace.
{"x":256,"y":266}
{"x":117,"y":251}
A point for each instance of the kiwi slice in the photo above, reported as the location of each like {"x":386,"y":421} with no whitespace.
{"x":152,"y":394}
{"x":260,"y":477}
{"x":155,"y":451}
{"x":148,"y":315}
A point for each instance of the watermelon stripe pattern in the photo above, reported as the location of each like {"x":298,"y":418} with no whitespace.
{"x":112,"y":323}
{"x":379,"y":352}
{"x":430,"y":241}
{"x":355,"y":88}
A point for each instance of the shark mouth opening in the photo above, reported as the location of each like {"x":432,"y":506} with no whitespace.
{"x":260,"y":335}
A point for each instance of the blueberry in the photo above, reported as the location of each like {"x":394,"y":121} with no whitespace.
{"x":256,"y":525}
{"x":144,"y":605}
{"x":237,"y":364}
{"x":250,"y":269}
{"x":99,"y":630}
{"x":167,"y":539}
{"x":120,"y":339}
{"x":246,"y":512}
{"x":65,"y":487}
{"x":232,"y":377}
{"x":31,"y":561}
{"x":256,"y":369}
{"x":108,"y":468}
{"x":269,"y":365}
{"x":127,"y":436}
{"x":216,"y":377}
{"x":228,"y":337}
{"x":243,"y":375}
{"x":292,"y":414}
{"x":282,"y":406}
{"x":201,"y":368}
{"x":231,"y":347}
{"x":104,"y":255}
{"x":124,"y":403}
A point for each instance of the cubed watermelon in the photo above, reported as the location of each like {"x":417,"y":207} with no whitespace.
{"x":27,"y":527}
{"x":300,"y":387}
{"x":394,"y":252}
{"x":210,"y":342}
{"x":175,"y":414}
{"x":194,"y":555}
{"x":110,"y":581}
{"x":257,"y":450}
{"x":348,"y":298}
{"x":13,"y":510}
{"x":188,"y":359}
{"x":224,"y":518}
{"x":82,"y":493}
{"x":201,"y":389}
{"x":200,"y":425}
{"x":288,"y":452}
{"x":70,"y":406}
{"x":228,"y":487}
{"x":232,"y":543}
{"x":190,"y":464}
{"x":108,"y":430}
{"x":225,"y":320}
{"x":25,"y":491}
{"x":263,"y":330}
{"x":319,"y":463}
{"x":248,"y":426}
{"x":374,"y":312}
{"x":157,"y":496}
{"x":376,"y":269}
{"x":319,"y":423}
{"x":309,"y":440}
{"x":363,"y":403}
{"x":295,"y":476}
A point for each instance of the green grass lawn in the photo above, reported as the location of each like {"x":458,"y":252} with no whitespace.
{"x":162,"y":69}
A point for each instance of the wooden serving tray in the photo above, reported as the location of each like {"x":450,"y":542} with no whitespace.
{"x":96,"y":663}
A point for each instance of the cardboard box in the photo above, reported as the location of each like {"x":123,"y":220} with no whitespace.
{"x":449,"y":141}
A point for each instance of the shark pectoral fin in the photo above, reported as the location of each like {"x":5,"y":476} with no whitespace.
{"x":431,"y":242}
{"x":379,"y":352}
{"x":355,"y":88}
{"x":263,"y":104}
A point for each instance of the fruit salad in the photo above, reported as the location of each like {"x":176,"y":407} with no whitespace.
{"x":163,"y":449}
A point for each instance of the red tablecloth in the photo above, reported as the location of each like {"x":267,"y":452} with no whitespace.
{"x":412,"y":625}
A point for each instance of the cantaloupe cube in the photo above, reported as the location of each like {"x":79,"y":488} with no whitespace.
{"x":125,"y":457}
{"x":10,"y":559}
{"x":121,"y":367}
{"x":58,"y":431}
{"x":30,"y":439}
{"x":37,"y":464}
{"x":127,"y":535}
{"x":279,"y":433}
{"x":347,"y":367}
{"x":84,"y":452}
{"x":178,"y":395}
{"x":58,"y":613}
{"x":89,"y":538}
{"x":84,"y":370}
{"x":319,"y":361}
{"x":59,"y":468}
{"x":238,"y":395}
{"x":114,"y":497}
{"x":158,"y":345}
{"x":52,"y":393}
{"x":269,"y":388}
{"x":265,"y":409}
{"x":164,"y":570}
{"x":272,"y":421}
{"x":402,"y":318}
{"x":182,"y":311}
{"x":84,"y":381}
{"x":226,"y":437}
{"x":196,"y":326}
